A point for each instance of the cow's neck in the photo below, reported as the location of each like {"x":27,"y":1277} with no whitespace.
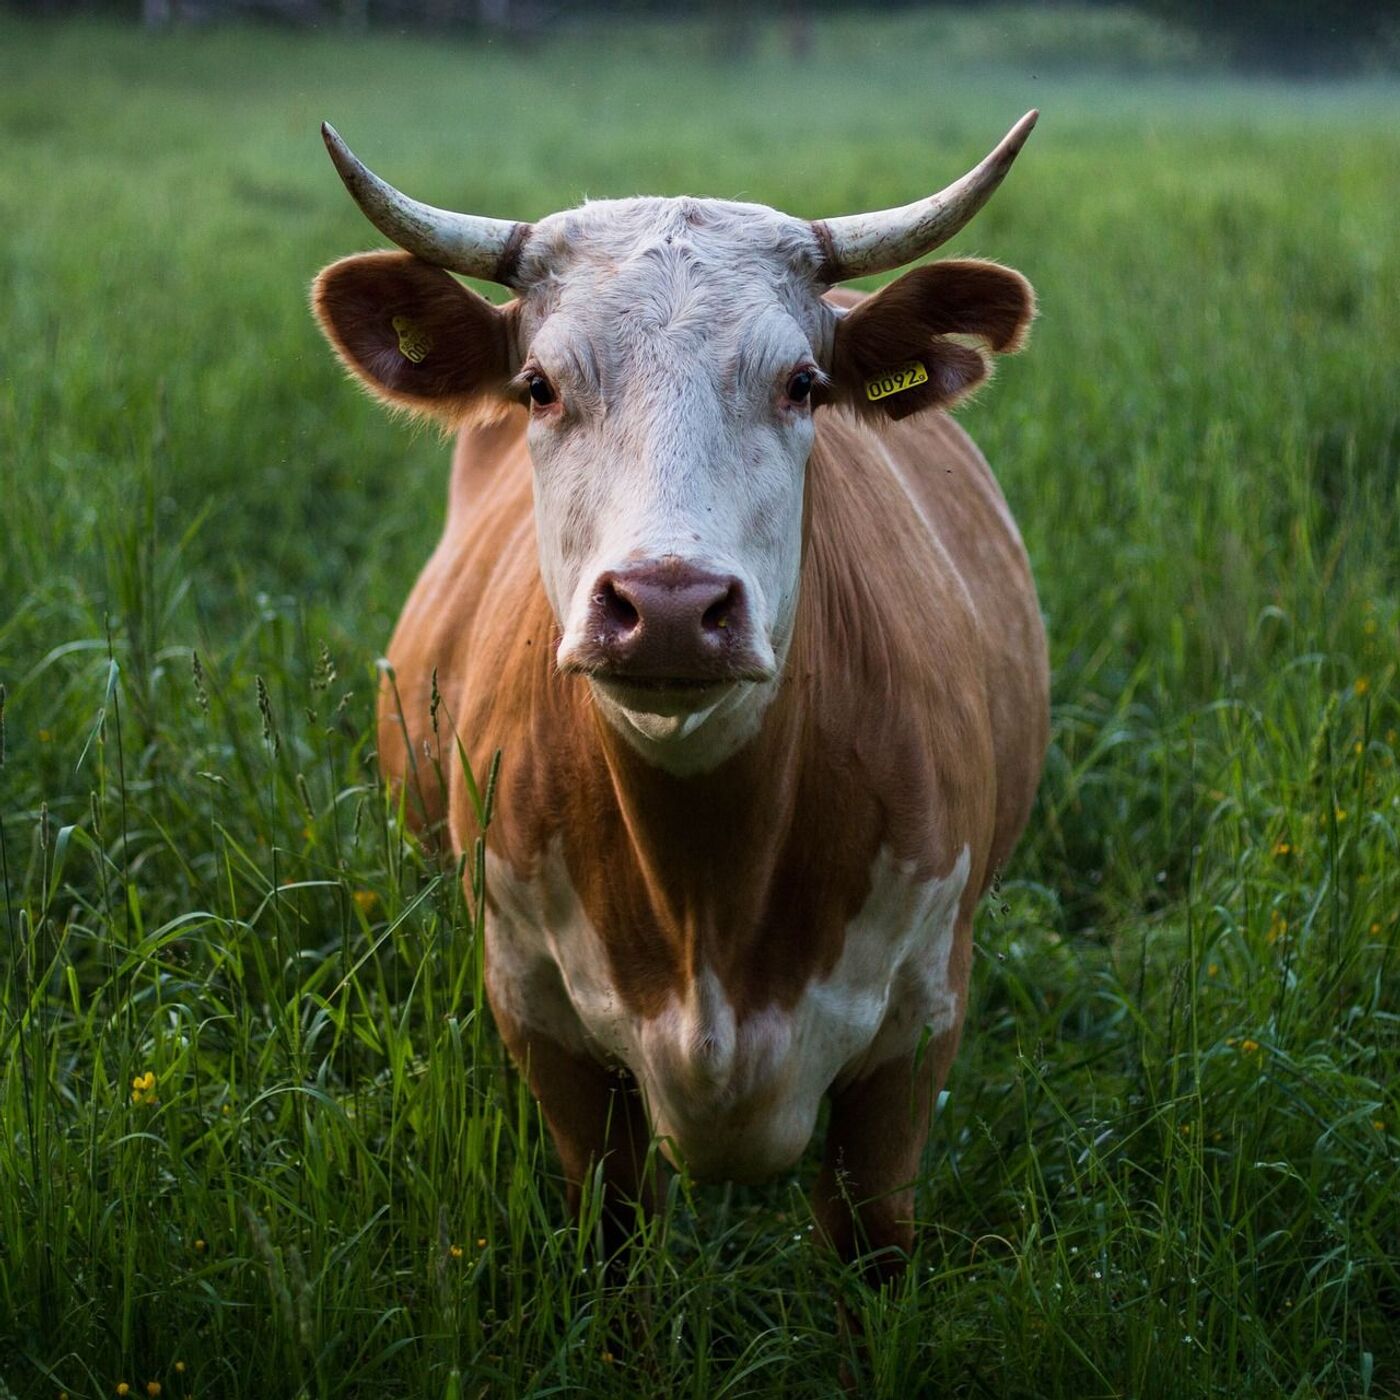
{"x":740,"y":848}
{"x":687,"y":871}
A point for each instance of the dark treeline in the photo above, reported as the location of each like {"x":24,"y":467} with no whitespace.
{"x":1291,"y":36}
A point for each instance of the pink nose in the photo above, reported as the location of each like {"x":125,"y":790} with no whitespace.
{"x":667,"y":619}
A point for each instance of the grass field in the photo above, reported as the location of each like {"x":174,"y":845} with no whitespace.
{"x":1169,"y":1161}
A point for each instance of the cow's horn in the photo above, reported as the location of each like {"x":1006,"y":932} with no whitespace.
{"x":465,"y":243}
{"x":857,"y":245}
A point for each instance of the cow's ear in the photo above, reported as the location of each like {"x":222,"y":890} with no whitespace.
{"x":413,"y":335}
{"x":894,"y":354}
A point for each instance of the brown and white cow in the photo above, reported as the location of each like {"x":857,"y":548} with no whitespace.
{"x":762,"y":655}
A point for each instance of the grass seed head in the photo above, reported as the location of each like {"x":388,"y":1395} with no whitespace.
{"x":201,"y":694}
{"x":324,"y":676}
{"x":269,"y":725}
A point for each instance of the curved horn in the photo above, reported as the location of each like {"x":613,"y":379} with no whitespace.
{"x":857,"y":245}
{"x":465,"y":243}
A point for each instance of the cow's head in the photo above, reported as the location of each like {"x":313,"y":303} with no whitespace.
{"x":669,"y":353}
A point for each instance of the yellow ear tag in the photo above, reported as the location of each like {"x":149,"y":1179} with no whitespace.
{"x":414,"y":341}
{"x":896,"y":381}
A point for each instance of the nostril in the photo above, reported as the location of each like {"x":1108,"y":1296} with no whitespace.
{"x":615,"y":610}
{"x":720,"y":615}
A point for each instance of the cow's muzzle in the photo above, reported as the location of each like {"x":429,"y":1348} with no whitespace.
{"x":668,"y":627}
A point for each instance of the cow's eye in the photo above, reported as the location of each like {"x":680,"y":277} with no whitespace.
{"x":800,"y":385}
{"x":541,"y":390}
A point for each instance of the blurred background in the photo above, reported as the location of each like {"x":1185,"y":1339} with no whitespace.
{"x":1170,"y":1158}
{"x":1293,"y":36}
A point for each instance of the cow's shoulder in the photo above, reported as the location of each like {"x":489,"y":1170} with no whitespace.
{"x":926,"y":521}
{"x":467,"y":604}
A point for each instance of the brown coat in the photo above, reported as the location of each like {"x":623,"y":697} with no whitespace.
{"x":912,"y":718}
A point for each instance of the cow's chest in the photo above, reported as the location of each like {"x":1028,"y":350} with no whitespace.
{"x":734,"y":1097}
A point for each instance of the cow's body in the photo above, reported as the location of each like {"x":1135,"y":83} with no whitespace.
{"x":743,"y":940}
{"x":756,"y":639}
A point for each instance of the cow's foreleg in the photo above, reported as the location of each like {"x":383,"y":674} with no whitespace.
{"x":864,"y":1196}
{"x":594,"y":1115}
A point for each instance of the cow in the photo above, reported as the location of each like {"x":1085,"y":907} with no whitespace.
{"x":746,"y":616}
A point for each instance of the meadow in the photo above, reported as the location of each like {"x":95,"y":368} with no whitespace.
{"x":259,"y":1136}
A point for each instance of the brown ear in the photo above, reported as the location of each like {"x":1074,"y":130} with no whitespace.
{"x":414,"y":336}
{"x":908,"y":322}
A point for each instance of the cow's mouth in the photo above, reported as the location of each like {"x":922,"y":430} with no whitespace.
{"x":661,"y":685}
{"x":691,"y":688}
{"x":662,"y":695}
{"x":719,"y":676}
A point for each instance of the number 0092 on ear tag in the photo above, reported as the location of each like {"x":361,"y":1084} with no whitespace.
{"x":896,"y":381}
{"x":414,"y":341}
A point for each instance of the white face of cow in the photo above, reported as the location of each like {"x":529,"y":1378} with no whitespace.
{"x":669,"y":349}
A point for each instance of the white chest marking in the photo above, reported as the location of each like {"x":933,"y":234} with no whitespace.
{"x":734,"y":1099}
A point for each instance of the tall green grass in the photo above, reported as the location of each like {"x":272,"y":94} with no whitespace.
{"x":1169,"y":1160}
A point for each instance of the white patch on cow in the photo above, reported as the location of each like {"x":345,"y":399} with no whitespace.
{"x":733,"y":1099}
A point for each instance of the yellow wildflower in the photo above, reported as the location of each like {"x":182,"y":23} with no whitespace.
{"x":1248,"y":1047}
{"x":607,"y":1358}
{"x":179,"y":1368}
{"x":44,"y":736}
{"x":123,"y":1388}
{"x":455,"y":1250}
{"x":481,"y":1244}
{"x":1212,"y":969}
{"x":1282,"y":848}
{"x":1378,"y":1124}
{"x":1278,"y":926}
{"x":1376,"y":927}
{"x":200,"y":1246}
{"x":366,"y":899}
{"x":153,"y":1389}
{"x":143,"y":1088}
{"x":1340,"y":813}
{"x":1362,"y":685}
